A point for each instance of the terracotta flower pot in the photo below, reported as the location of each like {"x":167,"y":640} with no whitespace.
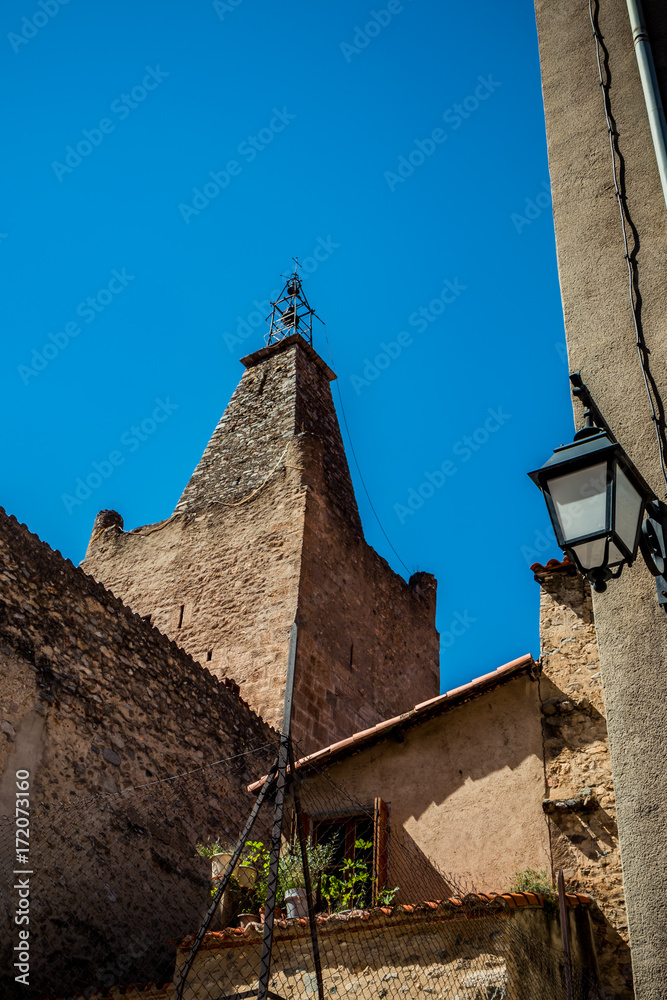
{"x":248,"y":918}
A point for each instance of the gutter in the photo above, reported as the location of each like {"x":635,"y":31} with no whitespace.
{"x":647,"y":74}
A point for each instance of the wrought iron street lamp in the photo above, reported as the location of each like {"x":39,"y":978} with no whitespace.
{"x":597,"y":500}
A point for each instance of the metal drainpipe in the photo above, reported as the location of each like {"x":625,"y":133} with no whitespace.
{"x":656,"y":114}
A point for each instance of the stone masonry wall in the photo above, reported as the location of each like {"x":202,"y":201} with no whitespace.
{"x":221,"y":581}
{"x":104,"y":711}
{"x":267,"y":532}
{"x":581,"y":807}
{"x":462,"y":952}
{"x":368,"y":646}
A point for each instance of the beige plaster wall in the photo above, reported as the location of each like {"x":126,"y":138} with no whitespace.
{"x":465,"y":789}
{"x":631,"y":629}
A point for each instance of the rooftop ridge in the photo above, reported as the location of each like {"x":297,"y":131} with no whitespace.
{"x":420,"y":712}
{"x":455,"y":907}
{"x":99,"y":591}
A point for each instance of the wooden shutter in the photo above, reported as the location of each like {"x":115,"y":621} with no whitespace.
{"x":293,"y":830}
{"x":305,"y":825}
{"x":380,"y":846}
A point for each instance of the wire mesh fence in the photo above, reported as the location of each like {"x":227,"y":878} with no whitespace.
{"x":103,"y":888}
{"x":120,"y":885}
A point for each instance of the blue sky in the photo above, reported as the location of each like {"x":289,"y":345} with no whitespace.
{"x":399,"y":151}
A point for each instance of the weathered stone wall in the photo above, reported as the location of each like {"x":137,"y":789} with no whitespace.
{"x":601,"y":342}
{"x":233,"y":568}
{"x":104,"y":711}
{"x":478,"y":952}
{"x":222,"y":582}
{"x":368,"y":648}
{"x":580,"y":804}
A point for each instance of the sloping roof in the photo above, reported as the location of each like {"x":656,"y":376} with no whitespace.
{"x":477,"y":904}
{"x":420,"y":713}
{"x":553,"y":567}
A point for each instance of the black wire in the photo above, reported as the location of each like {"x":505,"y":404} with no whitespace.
{"x":354,"y":456}
{"x":640,"y":343}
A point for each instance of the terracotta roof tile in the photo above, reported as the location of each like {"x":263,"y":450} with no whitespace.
{"x":421,"y":712}
{"x":553,"y":566}
{"x":471,"y":905}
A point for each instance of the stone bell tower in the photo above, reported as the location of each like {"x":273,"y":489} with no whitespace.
{"x":266,"y":532}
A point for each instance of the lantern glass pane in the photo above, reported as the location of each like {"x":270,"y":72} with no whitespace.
{"x":591,"y":554}
{"x":628,"y":509}
{"x":615,"y":555}
{"x":580,"y":500}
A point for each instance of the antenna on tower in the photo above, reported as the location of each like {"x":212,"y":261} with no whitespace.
{"x":291,"y":312}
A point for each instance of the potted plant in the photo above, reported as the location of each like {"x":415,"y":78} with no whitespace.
{"x":239,"y":895}
{"x":292,"y":879}
{"x":292,"y":884}
{"x":353,"y":886}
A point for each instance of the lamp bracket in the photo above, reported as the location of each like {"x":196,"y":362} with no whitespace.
{"x":653,"y":543}
{"x":583,"y":394}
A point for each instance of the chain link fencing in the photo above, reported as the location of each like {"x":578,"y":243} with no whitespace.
{"x":119,"y":886}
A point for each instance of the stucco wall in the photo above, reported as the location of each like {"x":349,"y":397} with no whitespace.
{"x":631,"y":629}
{"x":465,"y":789}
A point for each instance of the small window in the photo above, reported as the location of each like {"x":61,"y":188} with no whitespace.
{"x":360,"y":844}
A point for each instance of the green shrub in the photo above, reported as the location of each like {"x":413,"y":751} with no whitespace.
{"x":530,"y":880}
{"x":343,"y":887}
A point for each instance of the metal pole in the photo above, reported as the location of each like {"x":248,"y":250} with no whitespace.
{"x":565,"y":931}
{"x":274,"y":858}
{"x":224,"y":882}
{"x":649,"y":81}
{"x":306,"y":870}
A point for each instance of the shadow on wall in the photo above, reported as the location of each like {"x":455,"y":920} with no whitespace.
{"x":582,"y":828}
{"x":417,"y":876}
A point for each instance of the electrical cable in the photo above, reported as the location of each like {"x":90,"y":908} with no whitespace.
{"x":640,"y":343}
{"x":69,"y":806}
{"x":254,"y":493}
{"x":356,"y":462}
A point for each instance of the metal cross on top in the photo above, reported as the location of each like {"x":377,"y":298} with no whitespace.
{"x":291,"y":312}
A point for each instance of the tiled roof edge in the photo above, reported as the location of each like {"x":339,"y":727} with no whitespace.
{"x":554,"y":567}
{"x":421,"y":712}
{"x":382,"y":915}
